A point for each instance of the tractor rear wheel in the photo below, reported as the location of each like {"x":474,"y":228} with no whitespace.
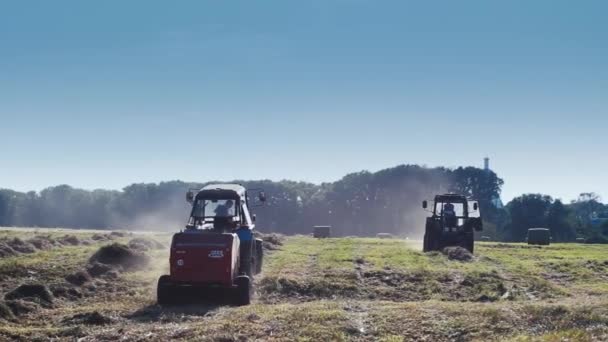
{"x":243,"y":290}
{"x":164,"y":291}
{"x":259,"y":256}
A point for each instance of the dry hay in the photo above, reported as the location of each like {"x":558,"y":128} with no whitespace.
{"x":33,"y":292}
{"x":121,"y":255}
{"x":457,"y":253}
{"x":89,"y":318}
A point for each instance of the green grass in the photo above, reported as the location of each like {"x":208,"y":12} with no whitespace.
{"x":350,"y":289}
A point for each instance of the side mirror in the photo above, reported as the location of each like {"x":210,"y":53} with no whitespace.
{"x":475,"y":206}
{"x":262,"y":196}
{"x":253,"y":218}
{"x":190,"y":196}
{"x":425,"y":204}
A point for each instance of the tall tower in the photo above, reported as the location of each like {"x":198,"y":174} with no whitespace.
{"x":486,"y":164}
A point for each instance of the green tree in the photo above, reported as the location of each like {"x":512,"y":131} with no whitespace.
{"x":526,"y":211}
{"x":562,"y":229}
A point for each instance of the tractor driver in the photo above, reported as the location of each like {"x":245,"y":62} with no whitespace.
{"x":224,"y":209}
{"x":449,"y":214}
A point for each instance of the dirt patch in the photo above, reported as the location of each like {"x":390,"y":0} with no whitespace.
{"x":457,"y":253}
{"x":79,"y":278}
{"x":33,"y":292}
{"x":121,"y":255}
{"x":89,"y":318}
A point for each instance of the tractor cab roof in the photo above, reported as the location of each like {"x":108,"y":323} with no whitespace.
{"x":222,"y":191}
{"x":454,"y":198}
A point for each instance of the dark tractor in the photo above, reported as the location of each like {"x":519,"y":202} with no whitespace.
{"x":217,"y":251}
{"x":453,"y":223}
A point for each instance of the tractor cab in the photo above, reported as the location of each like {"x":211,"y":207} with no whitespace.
{"x":222,"y":207}
{"x":453,"y":220}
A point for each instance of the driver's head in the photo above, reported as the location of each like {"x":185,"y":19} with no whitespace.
{"x":449,"y":206}
{"x":229,"y":203}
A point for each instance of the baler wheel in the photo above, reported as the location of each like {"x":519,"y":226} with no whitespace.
{"x":164,"y":291}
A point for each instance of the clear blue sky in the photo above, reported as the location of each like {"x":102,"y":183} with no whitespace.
{"x":102,"y":94}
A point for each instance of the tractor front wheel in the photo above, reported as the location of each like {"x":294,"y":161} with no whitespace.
{"x":164,"y":291}
{"x":243,"y":289}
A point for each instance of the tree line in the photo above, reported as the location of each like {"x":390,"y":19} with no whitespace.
{"x":362,"y":203}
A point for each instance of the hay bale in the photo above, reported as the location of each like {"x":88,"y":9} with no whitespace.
{"x":539,"y":236}
{"x":118,"y":254}
{"x":36,"y":292}
{"x":384,"y":236}
{"x":321,"y":231}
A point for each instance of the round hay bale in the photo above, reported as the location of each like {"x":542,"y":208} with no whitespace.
{"x":384,"y":236}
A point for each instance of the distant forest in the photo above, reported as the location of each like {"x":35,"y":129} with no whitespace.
{"x":363,"y":204}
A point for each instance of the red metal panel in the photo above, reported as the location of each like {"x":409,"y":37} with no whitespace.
{"x":204,"y":258}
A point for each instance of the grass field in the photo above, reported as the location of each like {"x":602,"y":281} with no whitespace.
{"x":348,"y":289}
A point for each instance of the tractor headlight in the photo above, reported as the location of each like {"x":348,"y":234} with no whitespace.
{"x":180,"y":262}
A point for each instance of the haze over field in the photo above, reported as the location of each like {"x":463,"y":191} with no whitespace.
{"x":102,"y":95}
